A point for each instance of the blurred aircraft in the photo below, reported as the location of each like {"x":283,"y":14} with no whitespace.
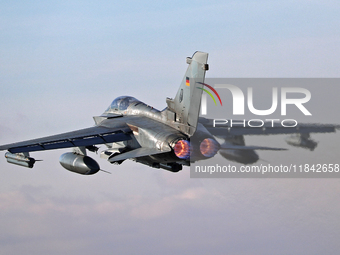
{"x":167,"y":139}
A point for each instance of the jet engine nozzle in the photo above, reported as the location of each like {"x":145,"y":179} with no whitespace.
{"x":209,"y":147}
{"x":79,"y":163}
{"x":182,"y":149}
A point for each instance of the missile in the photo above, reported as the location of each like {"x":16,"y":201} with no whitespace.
{"x":20,"y":159}
{"x":79,"y":163}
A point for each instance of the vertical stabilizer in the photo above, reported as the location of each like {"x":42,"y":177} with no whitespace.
{"x":187,"y":102}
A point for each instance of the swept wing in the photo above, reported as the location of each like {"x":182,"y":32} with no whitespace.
{"x":83,"y":137}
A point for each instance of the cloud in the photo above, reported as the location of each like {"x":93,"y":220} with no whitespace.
{"x":251,"y":216}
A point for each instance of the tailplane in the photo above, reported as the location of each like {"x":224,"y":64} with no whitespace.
{"x":187,"y":103}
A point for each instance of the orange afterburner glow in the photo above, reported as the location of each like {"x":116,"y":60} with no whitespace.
{"x":182,"y":149}
{"x":209,"y":147}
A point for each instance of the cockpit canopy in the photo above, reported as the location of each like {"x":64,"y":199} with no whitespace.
{"x":122,"y":103}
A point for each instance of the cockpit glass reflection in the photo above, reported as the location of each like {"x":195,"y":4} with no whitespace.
{"x":122,"y":103}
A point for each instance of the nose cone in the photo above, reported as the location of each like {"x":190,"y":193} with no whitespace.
{"x":209,"y":147}
{"x":240,"y":156}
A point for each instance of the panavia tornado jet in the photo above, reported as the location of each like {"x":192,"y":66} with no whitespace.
{"x":167,"y":139}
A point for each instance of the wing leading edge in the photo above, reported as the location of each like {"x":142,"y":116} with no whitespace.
{"x":84,"y":137}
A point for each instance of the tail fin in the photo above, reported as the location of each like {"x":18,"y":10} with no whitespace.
{"x":187,"y":102}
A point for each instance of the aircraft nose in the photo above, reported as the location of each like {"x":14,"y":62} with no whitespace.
{"x":251,"y":157}
{"x":240,"y":156}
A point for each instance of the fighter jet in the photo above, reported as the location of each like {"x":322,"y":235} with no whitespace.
{"x":167,"y":139}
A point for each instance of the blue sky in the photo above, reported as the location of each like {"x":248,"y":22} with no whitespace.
{"x":62,"y":62}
